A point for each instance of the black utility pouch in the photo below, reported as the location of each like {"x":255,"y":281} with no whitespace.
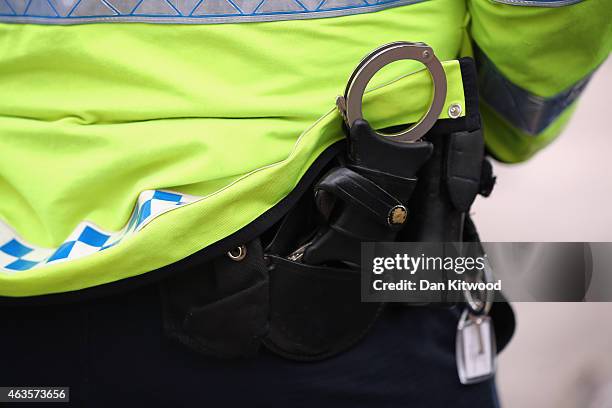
{"x":220,"y":308}
{"x":316,"y":311}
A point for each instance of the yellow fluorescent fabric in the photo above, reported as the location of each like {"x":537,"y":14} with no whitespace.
{"x":544,"y":50}
{"x":91,"y":115}
{"x":242,"y":197}
{"x":510,"y":144}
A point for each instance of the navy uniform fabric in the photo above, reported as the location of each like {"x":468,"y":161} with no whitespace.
{"x":113,"y":352}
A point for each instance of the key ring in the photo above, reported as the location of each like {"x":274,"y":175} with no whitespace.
{"x":479,"y":307}
{"x":350,"y":105}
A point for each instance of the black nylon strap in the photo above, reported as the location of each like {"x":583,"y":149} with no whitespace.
{"x":464,"y":156}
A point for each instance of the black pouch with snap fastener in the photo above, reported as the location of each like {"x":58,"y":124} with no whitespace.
{"x":220,"y":308}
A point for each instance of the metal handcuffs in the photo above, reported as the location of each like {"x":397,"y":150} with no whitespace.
{"x":350,"y":105}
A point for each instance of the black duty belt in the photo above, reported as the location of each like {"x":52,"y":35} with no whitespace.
{"x":296,"y":288}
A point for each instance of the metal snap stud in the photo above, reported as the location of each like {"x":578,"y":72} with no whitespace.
{"x":454,"y":111}
{"x":397,"y":215}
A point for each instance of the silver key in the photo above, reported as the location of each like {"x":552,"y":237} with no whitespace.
{"x":475,"y":348}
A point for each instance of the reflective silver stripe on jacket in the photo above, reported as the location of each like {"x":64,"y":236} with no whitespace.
{"x":183,"y":11}
{"x":528,"y":112}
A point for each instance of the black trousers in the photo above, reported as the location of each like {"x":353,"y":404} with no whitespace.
{"x":113,"y":352}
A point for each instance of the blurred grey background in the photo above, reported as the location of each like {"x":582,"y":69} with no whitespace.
{"x":561,"y":354}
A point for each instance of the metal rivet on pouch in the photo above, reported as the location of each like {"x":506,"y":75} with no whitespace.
{"x":238,"y":253}
{"x":454,"y":111}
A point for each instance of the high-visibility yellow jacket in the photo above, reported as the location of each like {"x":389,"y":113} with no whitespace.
{"x":134,"y":133}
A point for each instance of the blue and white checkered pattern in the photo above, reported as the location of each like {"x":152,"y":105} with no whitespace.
{"x":16,"y":255}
